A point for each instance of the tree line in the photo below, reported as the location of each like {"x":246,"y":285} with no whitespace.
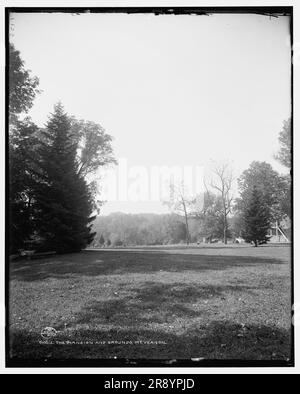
{"x":264,"y":200}
{"x":53,"y":203}
{"x":121,"y":229}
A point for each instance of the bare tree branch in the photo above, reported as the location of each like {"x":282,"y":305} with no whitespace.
{"x":223,"y":183}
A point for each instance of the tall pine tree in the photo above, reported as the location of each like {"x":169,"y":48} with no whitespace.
{"x":256,"y":218}
{"x":63,"y":197}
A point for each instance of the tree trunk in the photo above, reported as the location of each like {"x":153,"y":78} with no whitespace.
{"x":225,"y":229}
{"x":186,"y":224}
{"x":187,"y":230}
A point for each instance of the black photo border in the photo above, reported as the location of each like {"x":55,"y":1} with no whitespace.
{"x":134,"y":363}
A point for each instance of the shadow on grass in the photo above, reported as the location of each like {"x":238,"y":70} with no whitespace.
{"x":155,"y":303}
{"x":218,"y":340}
{"x":157,"y":321}
{"x":114,"y":262}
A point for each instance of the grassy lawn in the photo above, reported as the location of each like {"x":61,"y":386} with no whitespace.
{"x":215,"y":302}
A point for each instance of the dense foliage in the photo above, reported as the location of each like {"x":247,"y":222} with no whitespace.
{"x":22,"y":86}
{"x":23,"y":148}
{"x":275,"y":188}
{"x":51,"y":204}
{"x":256,"y":218}
{"x":284,"y":155}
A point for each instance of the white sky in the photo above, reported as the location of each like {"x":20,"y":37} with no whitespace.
{"x":171,"y":90}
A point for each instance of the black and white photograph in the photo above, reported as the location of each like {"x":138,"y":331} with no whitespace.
{"x":149,"y":187}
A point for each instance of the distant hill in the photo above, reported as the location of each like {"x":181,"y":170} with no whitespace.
{"x":119,"y":229}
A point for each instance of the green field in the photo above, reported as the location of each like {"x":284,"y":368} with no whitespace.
{"x":212,"y":302}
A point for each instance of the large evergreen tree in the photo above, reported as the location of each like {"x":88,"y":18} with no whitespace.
{"x":256,"y":218}
{"x":63,"y":197}
{"x":273,"y":187}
